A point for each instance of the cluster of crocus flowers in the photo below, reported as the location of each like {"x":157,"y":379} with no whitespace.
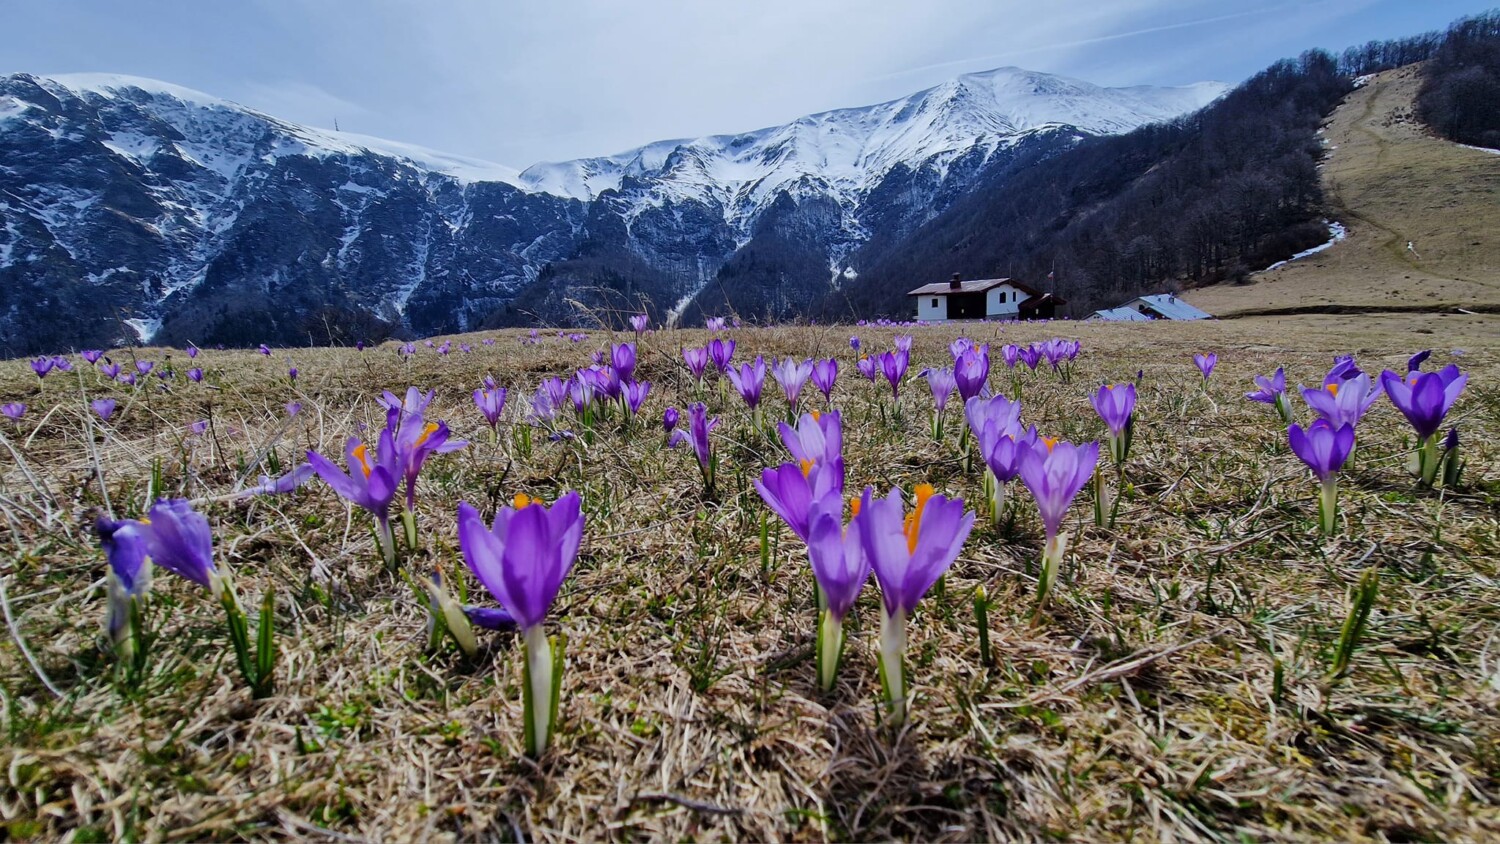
{"x":177,"y":538}
{"x":522,"y":558}
{"x":1425,"y":398}
{"x":996,"y":425}
{"x":1324,"y":449}
{"x":1054,"y":472}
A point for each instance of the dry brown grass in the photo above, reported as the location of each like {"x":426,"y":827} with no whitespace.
{"x":1143,"y":710}
{"x":1391,"y":183}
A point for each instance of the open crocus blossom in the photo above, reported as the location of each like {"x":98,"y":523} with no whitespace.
{"x":868,"y":367}
{"x":908,"y":552}
{"x":634,"y":395}
{"x":841,"y":568}
{"x":791,"y":489}
{"x":491,"y":403}
{"x":1342,"y":401}
{"x":748,"y":380}
{"x":416,"y":440}
{"x":1324,"y":449}
{"x":128,"y":582}
{"x":523,"y":559}
{"x":369,"y":483}
{"x":1425,"y":398}
{"x":1272,"y":390}
{"x":824,"y":374}
{"x":791,"y":375}
{"x":1054,"y":472}
{"x":105,"y":408}
{"x":13,"y":410}
{"x":1206,"y":363}
{"x":818,"y":438}
{"x":638,"y":323}
{"x":41,"y":366}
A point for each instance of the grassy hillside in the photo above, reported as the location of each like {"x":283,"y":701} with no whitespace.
{"x":1391,"y":182}
{"x":1175,"y":691}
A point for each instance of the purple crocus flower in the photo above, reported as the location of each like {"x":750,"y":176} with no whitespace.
{"x":698,"y":428}
{"x":523,"y":559}
{"x":669,"y":419}
{"x":13,"y":410}
{"x":1054,"y":475}
{"x":144,"y":366}
{"x":854,"y":343}
{"x":635,"y":394}
{"x":359,"y":345}
{"x":179,"y":540}
{"x":1206,"y":363}
{"x":416,"y":440}
{"x":868,"y":367}
{"x":1272,"y":390}
{"x":1325,"y":449}
{"x":128,"y":579}
{"x":299,"y":475}
{"x":127,"y":378}
{"x":791,"y":375}
{"x":198,"y":428}
{"x":291,"y":374}
{"x":1414,"y":363}
{"x":414,"y":404}
{"x":893,"y":366}
{"x":1115,"y":404}
{"x":959,"y":346}
{"x":1031,"y":356}
{"x":721,"y":352}
{"x":971,"y":370}
{"x":697,"y":361}
{"x":639,"y":323}
{"x":1425,"y":398}
{"x":110,"y":370}
{"x":370,"y":483}
{"x":490,"y":618}
{"x":266,"y":350}
{"x":791,"y":488}
{"x":841,"y":568}
{"x":824,"y":374}
{"x":293,"y":408}
{"x":1011,"y":353}
{"x":714,"y":324}
{"x":622,"y":357}
{"x":817,"y":440}
{"x":195,"y":374}
{"x":908,"y":554}
{"x":943,"y":385}
{"x":903,"y":343}
{"x":62,"y":364}
{"x":491,"y":402}
{"x":488,"y":341}
{"x":1342,"y":402}
{"x":192,"y":351}
{"x":42,"y":366}
{"x":105,"y":408}
{"x":91,"y":355}
{"x":748,"y":380}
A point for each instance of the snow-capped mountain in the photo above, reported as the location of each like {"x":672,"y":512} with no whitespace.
{"x":136,"y":210}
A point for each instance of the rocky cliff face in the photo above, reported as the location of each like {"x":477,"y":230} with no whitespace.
{"x":136,"y":211}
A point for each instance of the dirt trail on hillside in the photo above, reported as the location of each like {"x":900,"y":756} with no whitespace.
{"x":1423,"y":218}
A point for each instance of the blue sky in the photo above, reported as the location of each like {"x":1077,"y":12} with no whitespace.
{"x":520,"y":82}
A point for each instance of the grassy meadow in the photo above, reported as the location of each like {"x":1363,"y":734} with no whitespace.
{"x":1176,"y":690}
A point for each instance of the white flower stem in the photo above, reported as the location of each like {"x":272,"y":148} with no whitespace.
{"x":892,"y":672}
{"x":538,"y":700}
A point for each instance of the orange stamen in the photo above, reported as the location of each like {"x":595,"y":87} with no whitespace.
{"x":914,"y":518}
{"x":359,"y":454}
{"x":429,"y":430}
{"x":854,"y":505}
{"x":1050,"y":442}
{"x":807,"y":466}
{"x":1333,"y":388}
{"x":817,"y":416}
{"x":522,"y":500}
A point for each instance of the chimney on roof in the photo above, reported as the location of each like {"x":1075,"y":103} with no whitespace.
{"x":956,"y":283}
